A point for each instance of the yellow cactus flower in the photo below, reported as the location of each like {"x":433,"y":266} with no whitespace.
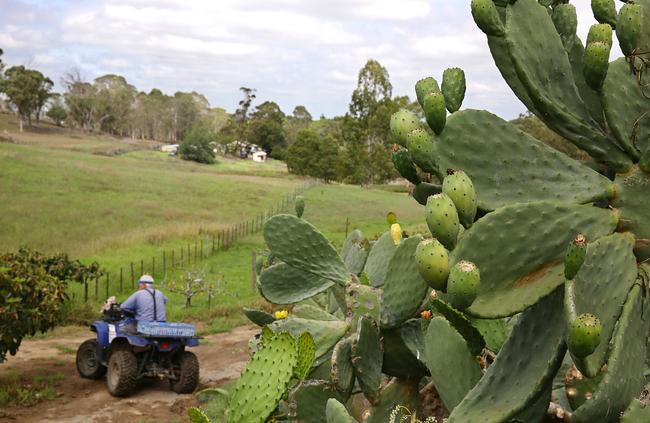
{"x":396,"y":233}
{"x":281,"y":314}
{"x":426,"y":314}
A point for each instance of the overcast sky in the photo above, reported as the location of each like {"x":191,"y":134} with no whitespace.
{"x":292,"y":51}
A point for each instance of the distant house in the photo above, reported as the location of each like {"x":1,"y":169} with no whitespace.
{"x":259,"y":156}
{"x":172,"y":149}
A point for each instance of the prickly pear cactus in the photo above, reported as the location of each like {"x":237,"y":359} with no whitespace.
{"x":538,"y":208}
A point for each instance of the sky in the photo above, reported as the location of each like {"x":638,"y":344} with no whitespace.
{"x":293,"y":52}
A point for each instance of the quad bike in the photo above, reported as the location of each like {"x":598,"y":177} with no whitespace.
{"x":127,"y":351}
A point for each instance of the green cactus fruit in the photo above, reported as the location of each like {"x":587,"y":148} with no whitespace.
{"x":600,"y":32}
{"x":435,"y":111}
{"x":453,"y":88}
{"x":404,"y":165}
{"x":629,"y":27}
{"x":197,"y":415}
{"x":442,"y":219}
{"x":575,"y":256}
{"x":300,"y":205}
{"x":565,"y":19}
{"x":403,"y":122}
{"x":433,"y":263}
{"x":487,"y":18}
{"x":584,"y":335}
{"x":459,"y":187}
{"x":420,"y":144}
{"x":596,"y":63}
{"x":462,"y":287}
{"x":391,"y":218}
{"x":425,"y":86}
{"x":604,"y":11}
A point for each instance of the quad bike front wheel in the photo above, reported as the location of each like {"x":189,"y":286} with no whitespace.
{"x":122,"y":376}
{"x":88,"y":364}
{"x":187,"y":373}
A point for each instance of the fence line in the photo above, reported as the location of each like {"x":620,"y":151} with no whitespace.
{"x":219,"y":241}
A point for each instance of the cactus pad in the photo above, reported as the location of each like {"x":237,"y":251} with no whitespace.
{"x":306,"y":353}
{"x":367,"y":357}
{"x":309,"y":311}
{"x":283,"y":284}
{"x":264,"y":381}
{"x":471,"y":136}
{"x":356,"y":258}
{"x":337,"y":413}
{"x":634,"y":204}
{"x":454,"y":369}
{"x":462,"y":324}
{"x":379,"y":258}
{"x":396,"y":392}
{"x":495,"y":398}
{"x":404,"y":288}
{"x":309,"y":400}
{"x":259,"y":317}
{"x":608,"y":260}
{"x":604,"y":11}
{"x":300,"y":245}
{"x":516,"y":271}
{"x":342,"y":371}
{"x":325,"y":333}
{"x":623,"y":378}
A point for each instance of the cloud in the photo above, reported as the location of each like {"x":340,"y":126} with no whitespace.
{"x":293,"y":51}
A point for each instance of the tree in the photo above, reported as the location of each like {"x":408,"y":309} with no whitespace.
{"x":366,"y":129}
{"x":57,"y":112}
{"x":113,"y":99}
{"x":79,"y":99}
{"x":313,"y":155}
{"x":33,"y":290}
{"x":241,"y":114}
{"x":300,"y":119}
{"x":266,"y":129}
{"x":27,"y":90}
{"x":196,"y":145}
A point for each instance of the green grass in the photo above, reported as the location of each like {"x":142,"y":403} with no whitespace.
{"x":23,"y":391}
{"x":133,"y":206}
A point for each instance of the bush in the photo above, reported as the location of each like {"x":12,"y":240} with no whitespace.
{"x":196,"y":145}
{"x":32,"y":292}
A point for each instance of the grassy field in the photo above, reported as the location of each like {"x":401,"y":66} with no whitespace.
{"x":59,"y":194}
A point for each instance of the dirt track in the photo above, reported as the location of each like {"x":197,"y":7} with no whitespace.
{"x":222,"y":357}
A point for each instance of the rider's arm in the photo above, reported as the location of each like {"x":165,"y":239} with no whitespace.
{"x":130,"y":303}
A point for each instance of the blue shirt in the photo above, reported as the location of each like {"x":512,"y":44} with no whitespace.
{"x":141,"y":303}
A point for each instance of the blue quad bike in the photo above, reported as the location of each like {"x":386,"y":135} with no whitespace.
{"x":126,"y":351}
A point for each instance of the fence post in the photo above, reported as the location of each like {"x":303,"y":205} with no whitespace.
{"x":96,"y":287}
{"x":347,"y":224}
{"x":85,"y":289}
{"x":121,"y":281}
{"x":202,"y":257}
{"x":173,"y":262}
{"x":141,"y":267}
{"x":195,"y":249}
{"x":253,"y":272}
{"x":108,"y":282}
{"x":164,"y":264}
{"x":189,"y":254}
{"x":213,"y":237}
{"x":132,"y":276}
{"x":153,"y":267}
{"x":182,"y":258}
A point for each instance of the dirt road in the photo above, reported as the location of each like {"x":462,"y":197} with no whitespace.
{"x":222,"y":357}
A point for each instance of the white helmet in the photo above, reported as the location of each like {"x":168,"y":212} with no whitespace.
{"x":148,"y":279}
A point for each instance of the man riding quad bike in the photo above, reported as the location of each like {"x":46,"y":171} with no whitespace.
{"x":134,"y":341}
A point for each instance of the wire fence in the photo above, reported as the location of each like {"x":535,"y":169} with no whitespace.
{"x":183,"y":257}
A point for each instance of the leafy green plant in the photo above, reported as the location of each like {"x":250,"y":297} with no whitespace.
{"x":32,"y":292}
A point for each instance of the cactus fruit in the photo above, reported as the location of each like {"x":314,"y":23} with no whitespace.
{"x":464,"y":280}
{"x":442,"y":219}
{"x":396,"y":233}
{"x":435,"y":111}
{"x":584,"y":335}
{"x":459,"y":187}
{"x":425,"y":86}
{"x":565,"y":19}
{"x":404,"y":165}
{"x":433,"y":263}
{"x":596,"y":63}
{"x":420,"y":145}
{"x":604,"y":11}
{"x":403,"y":122}
{"x":453,"y":88}
{"x":629,"y":27}
{"x":300,"y":205}
{"x":487,"y":17}
{"x":391,"y":218}
{"x":601,"y":33}
{"x":575,"y":256}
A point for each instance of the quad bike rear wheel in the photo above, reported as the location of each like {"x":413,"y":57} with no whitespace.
{"x":88,"y":364}
{"x":122,"y":376}
{"x":187,"y":373}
